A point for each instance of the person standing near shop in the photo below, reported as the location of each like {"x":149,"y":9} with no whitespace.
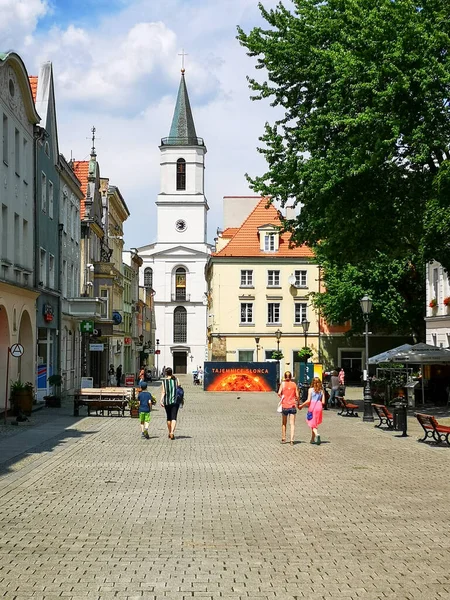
{"x":342,"y":377}
{"x":289,"y":399}
{"x":170,"y":401}
{"x":315,"y":402}
{"x":334,"y":384}
{"x":119,"y":375}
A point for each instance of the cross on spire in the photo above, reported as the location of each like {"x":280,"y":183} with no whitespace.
{"x":182,"y":54}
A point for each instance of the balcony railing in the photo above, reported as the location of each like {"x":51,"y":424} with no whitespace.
{"x":182,"y":141}
{"x":181,"y":297}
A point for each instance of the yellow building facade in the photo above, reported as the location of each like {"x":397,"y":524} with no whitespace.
{"x":258,"y":294}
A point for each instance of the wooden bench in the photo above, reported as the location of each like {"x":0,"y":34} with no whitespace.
{"x":386,"y":418}
{"x":432,"y":429}
{"x":347,"y":406}
{"x":100,"y":400}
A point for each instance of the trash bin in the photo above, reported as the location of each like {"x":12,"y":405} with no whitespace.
{"x":399,"y":414}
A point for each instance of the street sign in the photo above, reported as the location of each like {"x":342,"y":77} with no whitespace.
{"x":129,"y":380}
{"x":96,"y":347}
{"x":16,"y":350}
{"x":87,"y":326}
{"x":157,"y":351}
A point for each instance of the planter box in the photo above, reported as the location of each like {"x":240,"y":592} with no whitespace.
{"x":134,"y":413}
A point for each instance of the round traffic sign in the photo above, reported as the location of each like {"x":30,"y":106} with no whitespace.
{"x":16,"y":350}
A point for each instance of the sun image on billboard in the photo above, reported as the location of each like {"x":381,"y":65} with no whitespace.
{"x":240,"y":377}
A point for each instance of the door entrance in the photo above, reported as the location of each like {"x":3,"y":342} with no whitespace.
{"x":180,"y":363}
{"x":351,"y":362}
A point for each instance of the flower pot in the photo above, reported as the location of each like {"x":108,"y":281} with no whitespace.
{"x":134,"y":413}
{"x":23,"y":401}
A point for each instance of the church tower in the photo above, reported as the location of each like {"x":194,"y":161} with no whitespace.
{"x":173,"y":269}
{"x":182,"y":178}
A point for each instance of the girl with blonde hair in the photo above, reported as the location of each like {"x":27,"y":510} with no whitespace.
{"x":315,"y":402}
{"x":289,"y":398}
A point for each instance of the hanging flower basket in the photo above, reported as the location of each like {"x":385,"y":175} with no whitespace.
{"x":433,"y":303}
{"x":305,"y":354}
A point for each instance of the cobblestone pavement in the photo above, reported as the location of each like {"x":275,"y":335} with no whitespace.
{"x":224,"y":511}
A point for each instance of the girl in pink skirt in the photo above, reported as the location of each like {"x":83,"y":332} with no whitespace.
{"x":315,"y":402}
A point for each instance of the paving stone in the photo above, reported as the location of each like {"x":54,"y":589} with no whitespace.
{"x":90,"y":510}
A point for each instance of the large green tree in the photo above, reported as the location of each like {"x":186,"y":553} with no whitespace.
{"x":362,"y":142}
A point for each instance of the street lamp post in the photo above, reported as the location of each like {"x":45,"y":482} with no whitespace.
{"x":257,"y":347}
{"x":278,"y":335}
{"x":157,"y":359}
{"x":305,"y":384}
{"x":366,"y":307}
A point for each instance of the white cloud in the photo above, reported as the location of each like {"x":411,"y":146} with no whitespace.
{"x":122,"y":76}
{"x":18,"y":19}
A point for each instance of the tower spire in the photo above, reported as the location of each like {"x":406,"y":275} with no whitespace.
{"x":182,"y":130}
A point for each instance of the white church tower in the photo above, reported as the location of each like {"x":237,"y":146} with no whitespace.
{"x":174,"y":266}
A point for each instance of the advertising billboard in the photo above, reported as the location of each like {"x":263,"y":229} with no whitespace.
{"x":240,"y":376}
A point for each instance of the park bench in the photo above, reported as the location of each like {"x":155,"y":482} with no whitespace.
{"x":439,"y":433}
{"x":347,"y":406}
{"x":111,"y":400}
{"x":386,"y":418}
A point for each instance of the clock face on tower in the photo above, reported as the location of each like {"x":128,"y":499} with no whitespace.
{"x":180,"y":225}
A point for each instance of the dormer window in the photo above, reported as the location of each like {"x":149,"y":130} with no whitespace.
{"x":181,"y":174}
{"x":269,"y":242}
{"x":269,"y":236}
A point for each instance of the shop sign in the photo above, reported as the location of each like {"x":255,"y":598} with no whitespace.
{"x":96,"y":347}
{"x":47,"y":311}
{"x":127,"y":341}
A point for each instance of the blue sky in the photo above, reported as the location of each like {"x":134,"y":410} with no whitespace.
{"x":116,"y":66}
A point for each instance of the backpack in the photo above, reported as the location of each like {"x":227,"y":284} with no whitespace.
{"x":179,"y":395}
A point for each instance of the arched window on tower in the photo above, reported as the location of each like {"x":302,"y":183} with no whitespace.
{"x":180,"y":284}
{"x":181,"y":174}
{"x":148,"y":278}
{"x":180,"y":325}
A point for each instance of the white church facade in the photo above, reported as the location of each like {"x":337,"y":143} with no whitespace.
{"x":174,"y":266}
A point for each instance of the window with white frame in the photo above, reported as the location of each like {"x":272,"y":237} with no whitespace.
{"x":25,"y":160}
{"x":300,"y":279}
{"x":5,"y":140}
{"x":104,"y":295}
{"x":17,"y":151}
{"x":64,"y":279}
{"x":273,"y":312}
{"x":43,"y":266}
{"x":246,"y":278}
{"x":436,"y":284}
{"x":246,"y":312}
{"x":245,"y":355}
{"x":51,"y":271}
{"x":50,"y":199}
{"x":300,"y":312}
{"x":269,"y":242}
{"x":273,"y":278}
{"x":44,"y":192}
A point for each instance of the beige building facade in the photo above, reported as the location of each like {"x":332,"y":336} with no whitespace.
{"x":259,"y":285}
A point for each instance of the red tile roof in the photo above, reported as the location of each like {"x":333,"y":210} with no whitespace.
{"x":81,"y":170}
{"x":245,"y":242}
{"x":33,"y":84}
{"x":229,"y":232}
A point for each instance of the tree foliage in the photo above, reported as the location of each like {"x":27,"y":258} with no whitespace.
{"x":362,"y":142}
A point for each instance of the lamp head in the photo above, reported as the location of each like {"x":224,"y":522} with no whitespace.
{"x":278,"y":334}
{"x":257,"y":340}
{"x":366,"y":304}
{"x":305,"y":325}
